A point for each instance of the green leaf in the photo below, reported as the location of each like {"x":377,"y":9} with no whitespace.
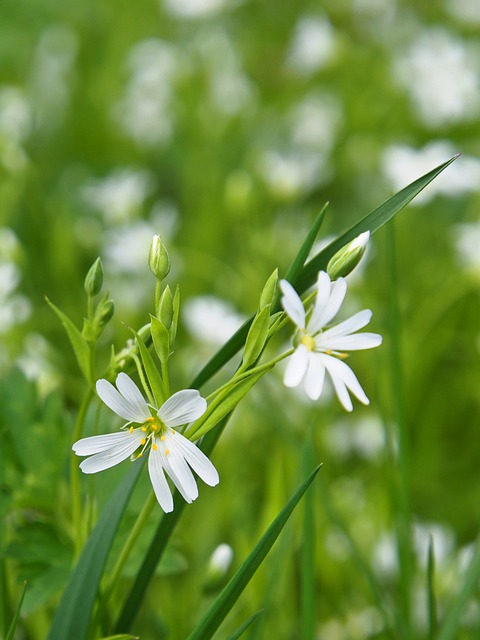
{"x":161,"y":339}
{"x":79,"y":344}
{"x":297,"y":265}
{"x":241,"y":630}
{"x":226,"y":403}
{"x":449,"y":629}
{"x":13,"y":626}
{"x":372,"y":222}
{"x":73,"y":615}
{"x":153,"y":374}
{"x":121,"y":636}
{"x":230,"y":594}
{"x":431,"y":597}
{"x":308,"y":594}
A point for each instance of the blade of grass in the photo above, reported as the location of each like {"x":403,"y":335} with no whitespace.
{"x":73,"y":615}
{"x":307,"y":625}
{"x":431,"y":597}
{"x":230,"y":594}
{"x":241,"y":630}
{"x":11,"y":631}
{"x":449,"y":629}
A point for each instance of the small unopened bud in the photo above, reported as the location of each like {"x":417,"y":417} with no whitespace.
{"x":94,"y":278}
{"x":158,"y":258}
{"x":345,"y":260}
{"x":104,"y":313}
{"x":165,"y":308}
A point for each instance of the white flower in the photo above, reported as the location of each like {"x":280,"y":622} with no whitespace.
{"x":322,"y":349}
{"x":170,"y":452}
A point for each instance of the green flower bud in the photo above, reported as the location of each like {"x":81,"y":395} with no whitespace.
{"x":218,"y":567}
{"x":269,"y":290}
{"x":345,"y":260}
{"x":104,"y":313}
{"x":257,"y":336}
{"x":165,"y":308}
{"x":158,"y":258}
{"x":94,"y":279}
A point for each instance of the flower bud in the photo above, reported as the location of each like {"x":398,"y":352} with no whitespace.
{"x":158,"y":258}
{"x":104,"y":313}
{"x":94,"y":278}
{"x":345,"y":260}
{"x":218,"y":567}
{"x":269,"y":291}
{"x":165,"y":308}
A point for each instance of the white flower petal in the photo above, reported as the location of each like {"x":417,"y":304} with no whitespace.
{"x":354,"y":323}
{"x":181,"y":474}
{"x":132,"y":395}
{"x":316,"y":321}
{"x":297,"y":367}
{"x":314,"y":377}
{"x":158,"y":480}
{"x":117,"y":403}
{"x":342,"y":377}
{"x":337,"y":295}
{"x":111,"y":457}
{"x":355,"y":342}
{"x":97,"y":444}
{"x":292,"y":304}
{"x":197,"y":460}
{"x":184,"y":406}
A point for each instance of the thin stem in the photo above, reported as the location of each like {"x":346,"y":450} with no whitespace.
{"x":143,"y":380}
{"x":165,"y":378}
{"x":158,"y":294}
{"x":75,"y":477}
{"x":142,"y":519}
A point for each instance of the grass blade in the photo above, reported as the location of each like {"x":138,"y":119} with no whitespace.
{"x":307,"y":625}
{"x":11,"y":631}
{"x":227,"y":598}
{"x":241,"y":630}
{"x":73,"y":615}
{"x":431,"y":597}
{"x":449,"y":628}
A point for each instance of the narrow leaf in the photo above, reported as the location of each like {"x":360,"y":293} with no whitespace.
{"x":309,"y":604}
{"x":153,"y":374}
{"x":11,"y":631}
{"x":230,"y":594}
{"x":241,"y":630}
{"x":431,"y":597}
{"x":79,"y":344}
{"x":449,"y":630}
{"x":73,"y":615}
{"x":372,"y":222}
{"x":256,"y":337}
{"x":297,"y":265}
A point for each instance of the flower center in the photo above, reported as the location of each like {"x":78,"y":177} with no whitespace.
{"x":308,"y":341}
{"x":152,"y":427}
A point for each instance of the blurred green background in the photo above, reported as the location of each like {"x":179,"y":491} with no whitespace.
{"x":225,"y":126}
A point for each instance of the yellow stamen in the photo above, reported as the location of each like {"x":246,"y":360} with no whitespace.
{"x":167,"y":451}
{"x":142,"y":441}
{"x":162,"y":437}
{"x":150,"y":419}
{"x":309,"y":342}
{"x":154,"y":447}
{"x":130,"y":430}
{"x":144,"y":429}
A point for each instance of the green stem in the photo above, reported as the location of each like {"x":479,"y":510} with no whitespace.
{"x":143,"y":380}
{"x":75,"y":477}
{"x":158,"y":294}
{"x":142,"y":519}
{"x":165,"y":378}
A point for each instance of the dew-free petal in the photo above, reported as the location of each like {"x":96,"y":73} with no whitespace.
{"x":184,"y":406}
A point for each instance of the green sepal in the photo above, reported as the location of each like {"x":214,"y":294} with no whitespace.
{"x":94,"y":279}
{"x":176,"y":314}
{"x":161,"y":339}
{"x":225,"y":403}
{"x":165,"y":308}
{"x":267,"y":297}
{"x":80,"y":346}
{"x":153,"y":374}
{"x":257,"y":336}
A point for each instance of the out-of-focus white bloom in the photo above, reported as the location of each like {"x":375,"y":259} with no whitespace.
{"x":53,"y":67}
{"x":193,"y":8}
{"x":364,"y":437}
{"x":14,"y":114}
{"x":313,"y":45}
{"x":322,"y":347}
{"x":443,"y":542}
{"x":144,"y":112}
{"x":221,"y":558}
{"x":211,"y":319}
{"x":315,"y":122}
{"x":384,"y":554}
{"x":464,"y":11}
{"x":15,"y":308}
{"x":36,"y":363}
{"x":289,"y":175}
{"x":120,"y":195}
{"x":169,"y":451}
{"x":403,"y":164}
{"x":467,"y":244}
{"x":441,"y":75}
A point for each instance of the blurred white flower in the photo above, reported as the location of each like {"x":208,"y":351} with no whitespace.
{"x":442,"y":77}
{"x":315,"y":122}
{"x":443,"y":539}
{"x":467,"y":244}
{"x":364,"y":437}
{"x":193,"y":8}
{"x":321,"y":348}
{"x":290,"y":174}
{"x":313,"y":45}
{"x":403,"y":164}
{"x":211,"y":319}
{"x":169,"y":451}
{"x":36,"y":362}
{"x":144,"y":111}
{"x":120,"y":195}
{"x":464,"y":10}
{"x":384,"y":554}
{"x":15,"y":117}
{"x":15,"y":308}
{"x":221,"y":558}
